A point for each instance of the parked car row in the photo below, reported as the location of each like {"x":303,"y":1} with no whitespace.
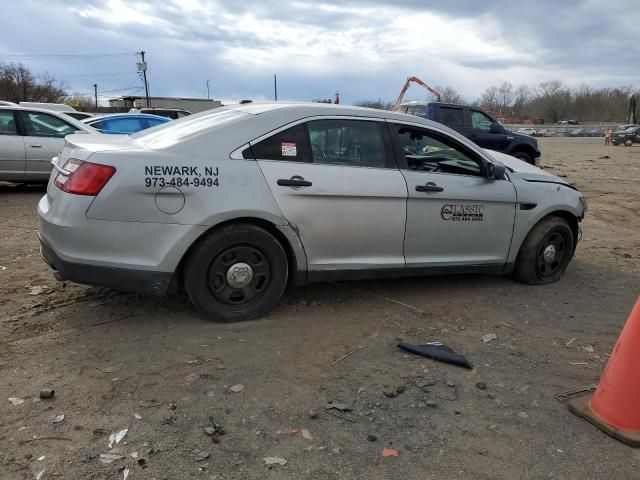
{"x":626,"y":137}
{"x":564,"y":132}
{"x":30,"y":136}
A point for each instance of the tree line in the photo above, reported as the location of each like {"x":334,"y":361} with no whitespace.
{"x":547,"y":102}
{"x":19,"y":84}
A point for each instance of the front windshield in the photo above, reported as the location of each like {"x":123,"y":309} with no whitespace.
{"x":170,"y":133}
{"x":631,"y":130}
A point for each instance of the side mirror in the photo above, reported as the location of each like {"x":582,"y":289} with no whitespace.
{"x":495,"y":128}
{"x":495,"y":171}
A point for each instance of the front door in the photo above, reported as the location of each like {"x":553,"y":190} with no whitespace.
{"x":43,"y":139}
{"x":456,"y":216}
{"x":336,"y":182}
{"x":12,"y":157}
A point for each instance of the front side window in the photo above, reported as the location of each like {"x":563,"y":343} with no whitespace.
{"x":353,"y":143}
{"x":7,"y":123}
{"x":480,"y":121}
{"x":451,"y":116}
{"x":425,"y":151}
{"x":288,"y":145}
{"x":39,"y":124}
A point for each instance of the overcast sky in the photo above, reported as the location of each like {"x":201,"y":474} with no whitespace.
{"x":363,"y":49}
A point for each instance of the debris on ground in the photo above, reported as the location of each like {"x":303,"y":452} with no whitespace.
{"x":213,"y":428}
{"x":389,"y":452}
{"x":39,"y":474}
{"x":426,"y":382}
{"x":274,"y":461}
{"x":293,"y":431}
{"x":481,"y":386}
{"x":488,"y":337}
{"x":347,"y":354}
{"x":437,"y":351}
{"x":372,"y":438}
{"x":47,"y":393}
{"x":306,"y":434}
{"x":38,"y":290}
{"x":58,"y":418}
{"x":137,"y":416}
{"x":125,"y":474}
{"x":200,"y":455}
{"x":394,"y":392}
{"x":343,"y":407}
{"x":109,"y":457}
{"x":568,"y":344}
{"x":313,"y":414}
{"x":237,"y":388}
{"x":16,"y":401}
{"x":116,"y":437}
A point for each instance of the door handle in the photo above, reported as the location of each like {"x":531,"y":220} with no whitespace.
{"x":295,"y":181}
{"x":429,"y":187}
{"x":36,"y":146}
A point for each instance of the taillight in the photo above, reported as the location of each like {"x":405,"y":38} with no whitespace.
{"x":83,"y":178}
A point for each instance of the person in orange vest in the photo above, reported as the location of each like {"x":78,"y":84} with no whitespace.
{"x":607,"y":137}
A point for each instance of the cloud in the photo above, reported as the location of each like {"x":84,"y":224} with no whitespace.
{"x":364,"y":49}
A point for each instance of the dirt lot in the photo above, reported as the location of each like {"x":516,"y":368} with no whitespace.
{"x":111,"y":355}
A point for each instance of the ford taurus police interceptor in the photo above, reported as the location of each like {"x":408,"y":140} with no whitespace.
{"x":234,"y":204}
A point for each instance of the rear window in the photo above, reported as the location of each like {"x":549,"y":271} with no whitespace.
{"x":174,"y":132}
{"x":452,"y":116}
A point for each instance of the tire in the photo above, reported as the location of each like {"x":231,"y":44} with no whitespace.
{"x":260,"y":280}
{"x":628,"y":143}
{"x":524,"y":156}
{"x":533,"y":267}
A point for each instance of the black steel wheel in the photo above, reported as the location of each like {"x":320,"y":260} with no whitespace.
{"x":236,"y":273}
{"x":545,"y":252}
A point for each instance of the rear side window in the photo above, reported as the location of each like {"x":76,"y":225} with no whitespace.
{"x":7,"y":123}
{"x":353,"y":143}
{"x":288,"y":145}
{"x":125,"y":125}
{"x":452,"y":116}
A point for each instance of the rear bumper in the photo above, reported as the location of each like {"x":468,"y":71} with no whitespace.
{"x":145,"y":281}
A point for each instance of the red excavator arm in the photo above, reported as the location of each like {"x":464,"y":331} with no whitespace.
{"x":406,"y":86}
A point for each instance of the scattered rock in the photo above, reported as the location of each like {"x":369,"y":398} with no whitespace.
{"x":523,"y":415}
{"x":390,"y":392}
{"x":481,"y":386}
{"x":209,"y":430}
{"x":109,"y":457}
{"x":431,"y":403}
{"x":16,"y":401}
{"x":343,"y":407}
{"x":313,"y":414}
{"x":426,"y":382}
{"x":192,"y":377}
{"x":58,"y":418}
{"x":306,"y":434}
{"x":488,"y":337}
{"x":237,"y":388}
{"x":372,"y":438}
{"x":137,"y":416}
{"x":274,"y":461}
{"x":200,"y":455}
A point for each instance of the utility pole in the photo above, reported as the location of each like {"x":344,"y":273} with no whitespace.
{"x":143,"y":66}
{"x":275,"y":87}
{"x":95,"y":92}
{"x":207,"y":89}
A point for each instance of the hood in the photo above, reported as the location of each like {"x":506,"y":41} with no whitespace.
{"x":99,"y":142}
{"x":525,"y":170}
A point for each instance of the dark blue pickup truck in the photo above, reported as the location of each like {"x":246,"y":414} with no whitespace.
{"x":478,"y":126}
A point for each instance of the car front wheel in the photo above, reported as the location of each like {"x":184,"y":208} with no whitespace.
{"x":628,"y":143}
{"x":236,"y":273}
{"x":524,"y":156}
{"x":545,"y":253}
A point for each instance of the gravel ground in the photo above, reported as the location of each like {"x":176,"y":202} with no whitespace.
{"x":153,"y":366}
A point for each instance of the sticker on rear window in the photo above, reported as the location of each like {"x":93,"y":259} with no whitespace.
{"x":289,"y":149}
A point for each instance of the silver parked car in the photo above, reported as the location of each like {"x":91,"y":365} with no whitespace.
{"x":30,"y":138}
{"x":236,"y":203}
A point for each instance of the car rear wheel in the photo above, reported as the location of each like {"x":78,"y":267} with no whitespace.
{"x":237,"y":273}
{"x":524,"y":156}
{"x":628,"y":143}
{"x":545,"y":253}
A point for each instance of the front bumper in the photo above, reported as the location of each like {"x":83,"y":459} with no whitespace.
{"x":145,"y":281}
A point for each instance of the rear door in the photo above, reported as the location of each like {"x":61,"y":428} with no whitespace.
{"x":336,"y":181}
{"x":456,"y":216}
{"x":12,"y":156}
{"x":480,"y":132}
{"x":43,"y":139}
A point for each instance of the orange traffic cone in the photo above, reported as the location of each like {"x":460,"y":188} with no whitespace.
{"x":615,"y":405}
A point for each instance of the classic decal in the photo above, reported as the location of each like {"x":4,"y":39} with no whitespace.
{"x":180,"y":176}
{"x":462,"y":212}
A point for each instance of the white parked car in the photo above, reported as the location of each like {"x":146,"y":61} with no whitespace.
{"x":30,"y":138}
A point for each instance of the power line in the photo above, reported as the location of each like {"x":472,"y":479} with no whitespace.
{"x":72,"y":56}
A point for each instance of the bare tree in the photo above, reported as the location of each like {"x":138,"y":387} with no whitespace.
{"x":379,"y":104}
{"x":18,"y":84}
{"x":449,"y":94}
